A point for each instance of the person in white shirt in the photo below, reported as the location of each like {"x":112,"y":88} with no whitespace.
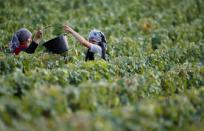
{"x":96,"y":43}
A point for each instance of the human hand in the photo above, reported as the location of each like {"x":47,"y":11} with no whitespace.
{"x":68,"y":29}
{"x":38,"y":36}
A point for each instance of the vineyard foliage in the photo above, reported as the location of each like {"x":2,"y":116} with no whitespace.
{"x":153,"y":79}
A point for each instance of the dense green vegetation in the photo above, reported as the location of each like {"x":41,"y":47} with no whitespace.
{"x":154,"y":79}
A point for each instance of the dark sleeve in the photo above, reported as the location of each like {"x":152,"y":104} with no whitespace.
{"x":31,"y":49}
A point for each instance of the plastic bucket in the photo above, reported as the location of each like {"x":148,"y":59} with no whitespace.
{"x":57,"y":45}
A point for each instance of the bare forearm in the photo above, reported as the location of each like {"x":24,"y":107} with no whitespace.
{"x":78,"y":37}
{"x":81,"y":39}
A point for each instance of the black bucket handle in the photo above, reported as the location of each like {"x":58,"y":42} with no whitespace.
{"x":52,"y":26}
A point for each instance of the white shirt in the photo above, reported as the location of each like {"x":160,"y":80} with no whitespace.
{"x":96,"y":49}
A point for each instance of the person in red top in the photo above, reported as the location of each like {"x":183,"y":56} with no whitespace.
{"x":22,"y":41}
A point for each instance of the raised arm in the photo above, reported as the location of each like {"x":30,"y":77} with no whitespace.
{"x":32,"y":47}
{"x":81,"y":39}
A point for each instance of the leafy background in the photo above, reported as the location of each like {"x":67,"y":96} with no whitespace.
{"x":154,"y":79}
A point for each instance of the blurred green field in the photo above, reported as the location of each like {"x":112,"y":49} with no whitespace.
{"x":153,"y":80}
